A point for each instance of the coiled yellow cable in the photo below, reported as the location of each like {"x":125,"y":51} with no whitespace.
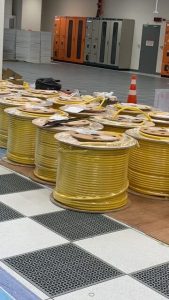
{"x":3,"y":127}
{"x":21,"y":136}
{"x":112,"y":123}
{"x":47,"y":147}
{"x":93,"y":180}
{"x":46,"y":155}
{"x":84,"y":100}
{"x":149,"y":164}
{"x":4,"y":123}
{"x":129,"y":109}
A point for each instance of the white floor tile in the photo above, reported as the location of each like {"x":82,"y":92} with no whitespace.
{"x":23,"y":281}
{"x":4,"y":171}
{"x":25,"y":235}
{"x":123,"y":288}
{"x":31,"y":203}
{"x":127,"y":250}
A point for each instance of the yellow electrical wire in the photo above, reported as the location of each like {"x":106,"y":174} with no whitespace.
{"x":130,"y":109}
{"x":84,"y":100}
{"x":112,"y":123}
{"x":21,"y":136}
{"x":92,"y":179}
{"x":149,"y":164}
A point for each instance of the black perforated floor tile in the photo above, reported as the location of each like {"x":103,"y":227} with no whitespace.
{"x":156,"y":278}
{"x":75,"y":226}
{"x":13,"y":183}
{"x":62,"y":269}
{"x":7,"y":213}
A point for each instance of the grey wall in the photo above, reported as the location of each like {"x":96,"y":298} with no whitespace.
{"x":52,"y":8}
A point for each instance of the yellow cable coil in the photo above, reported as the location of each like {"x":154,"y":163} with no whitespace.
{"x":149,"y":164}
{"x":47,"y":146}
{"x":131,"y":109}
{"x":11,"y":101}
{"x":45,"y":155}
{"x":160,"y":118}
{"x":3,"y":126}
{"x":21,"y":136}
{"x":120,"y":123}
{"x":83,"y":100}
{"x":92,"y":179}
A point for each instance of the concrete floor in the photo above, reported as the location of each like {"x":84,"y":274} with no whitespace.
{"x":89,"y":79}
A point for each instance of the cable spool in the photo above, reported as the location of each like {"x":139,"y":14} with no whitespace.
{"x":47,"y":145}
{"x":22,"y":133}
{"x":41,"y":94}
{"x":83,"y":111}
{"x":160,"y":118}
{"x":92,"y":171}
{"x":121,"y":123}
{"x":60,"y":101}
{"x":149,"y":163}
{"x":130,"y":108}
{"x":6,"y":103}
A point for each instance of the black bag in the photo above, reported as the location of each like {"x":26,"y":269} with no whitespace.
{"x":48,"y":84}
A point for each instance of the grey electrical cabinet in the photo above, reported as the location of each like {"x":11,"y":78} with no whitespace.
{"x":110,"y":42}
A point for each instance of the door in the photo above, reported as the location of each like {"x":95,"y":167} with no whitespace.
{"x":80,"y":40}
{"x":56,"y":37}
{"x":88,"y":40}
{"x":149,"y":49}
{"x":103,"y":43}
{"x":95,"y":36}
{"x":59,"y":38}
{"x":70,"y":39}
{"x":62,"y":38}
{"x":114,"y":43}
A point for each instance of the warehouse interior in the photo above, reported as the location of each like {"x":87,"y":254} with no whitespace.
{"x":84,"y":149}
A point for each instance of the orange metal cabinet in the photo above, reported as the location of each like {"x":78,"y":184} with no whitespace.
{"x":59,"y":38}
{"x":69,"y":39}
{"x":165,"y":62}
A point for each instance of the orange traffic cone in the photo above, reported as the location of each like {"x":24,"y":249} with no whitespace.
{"x":132,"y":97}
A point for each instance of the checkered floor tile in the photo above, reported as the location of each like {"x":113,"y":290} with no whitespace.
{"x":156,"y":278}
{"x":76,"y":226}
{"x":6,"y":213}
{"x":59,"y":254}
{"x":63,"y":269}
{"x":13,"y":183}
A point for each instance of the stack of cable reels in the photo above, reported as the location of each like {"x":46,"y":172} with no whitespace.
{"x":47,"y":145}
{"x":92,"y":171}
{"x":121,"y":123}
{"x":160,"y":118}
{"x":149,"y":163}
{"x":12,"y":101}
{"x":22,"y":133}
